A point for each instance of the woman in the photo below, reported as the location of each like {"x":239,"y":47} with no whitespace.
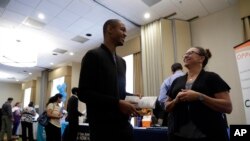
{"x":197,"y":101}
{"x":16,"y":110}
{"x":53,"y":129}
{"x":27,"y":122}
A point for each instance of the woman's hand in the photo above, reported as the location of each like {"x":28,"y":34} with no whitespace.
{"x":187,"y":95}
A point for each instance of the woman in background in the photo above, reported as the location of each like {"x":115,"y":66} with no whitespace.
{"x":197,"y":102}
{"x":27,"y":121}
{"x":53,"y":129}
{"x":16,"y":110}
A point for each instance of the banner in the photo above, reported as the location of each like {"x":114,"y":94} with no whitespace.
{"x":242,"y":53}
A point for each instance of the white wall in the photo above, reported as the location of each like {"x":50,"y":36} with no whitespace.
{"x":13,"y":90}
{"x":220,"y":32}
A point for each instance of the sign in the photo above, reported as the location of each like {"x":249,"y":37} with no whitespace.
{"x":242,"y":53}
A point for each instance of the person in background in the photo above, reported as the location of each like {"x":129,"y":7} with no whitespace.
{"x":197,"y":101}
{"x":7,"y":119}
{"x":102,"y":87}
{"x":16,"y":110}
{"x":73,"y":116}
{"x":28,"y":114}
{"x":54,"y":112}
{"x":176,"y":69}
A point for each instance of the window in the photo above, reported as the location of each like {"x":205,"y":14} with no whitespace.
{"x":27,"y":95}
{"x":129,"y":73}
{"x":55,"y":83}
{"x":130,"y":78}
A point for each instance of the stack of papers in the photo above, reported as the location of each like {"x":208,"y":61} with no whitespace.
{"x":143,"y":102}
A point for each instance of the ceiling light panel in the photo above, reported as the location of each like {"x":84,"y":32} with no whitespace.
{"x":33,"y":23}
{"x":79,"y":39}
{"x":59,"y":50}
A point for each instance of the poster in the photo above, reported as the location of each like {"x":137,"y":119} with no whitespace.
{"x":242,"y":53}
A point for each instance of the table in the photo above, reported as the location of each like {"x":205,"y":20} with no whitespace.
{"x":151,"y":134}
{"x":140,"y":133}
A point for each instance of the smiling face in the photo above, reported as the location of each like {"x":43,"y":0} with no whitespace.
{"x":118,"y":33}
{"x":193,"y":58}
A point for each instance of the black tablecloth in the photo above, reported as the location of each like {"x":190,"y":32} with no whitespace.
{"x":150,"y":134}
{"x":140,"y":134}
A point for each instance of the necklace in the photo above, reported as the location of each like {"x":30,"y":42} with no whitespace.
{"x":191,"y":78}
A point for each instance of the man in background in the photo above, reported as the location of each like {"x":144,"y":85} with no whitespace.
{"x":7,"y":119}
{"x":176,"y":69}
{"x":72,"y":117}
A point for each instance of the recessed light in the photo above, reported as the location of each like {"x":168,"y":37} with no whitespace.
{"x":146,"y":15}
{"x":41,"y":16}
{"x":71,"y":53}
{"x":88,"y":34}
{"x":51,"y":63}
{"x":30,"y":73}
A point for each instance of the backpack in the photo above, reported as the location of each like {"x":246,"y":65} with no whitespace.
{"x":43,"y":119}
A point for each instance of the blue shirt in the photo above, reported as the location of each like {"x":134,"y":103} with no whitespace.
{"x":166,"y":85}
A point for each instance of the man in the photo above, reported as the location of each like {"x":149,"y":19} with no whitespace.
{"x":102,"y":87}
{"x":177,"y":72}
{"x":72,"y":118}
{"x":6,"y":119}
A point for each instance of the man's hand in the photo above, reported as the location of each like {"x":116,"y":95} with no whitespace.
{"x":127,"y":108}
{"x":138,"y":94}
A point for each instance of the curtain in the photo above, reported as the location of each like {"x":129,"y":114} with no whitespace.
{"x":138,"y":86}
{"x":246,"y":24}
{"x":153,"y":53}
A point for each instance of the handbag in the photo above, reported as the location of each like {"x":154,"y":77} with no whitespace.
{"x":43,"y":119}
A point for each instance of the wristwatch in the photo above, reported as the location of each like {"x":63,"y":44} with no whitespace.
{"x":201,"y":97}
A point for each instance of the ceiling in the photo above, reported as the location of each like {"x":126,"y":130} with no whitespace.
{"x":51,"y":39}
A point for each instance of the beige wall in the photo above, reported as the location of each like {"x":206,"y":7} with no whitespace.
{"x":13,"y":90}
{"x":38,"y":90}
{"x":76,"y":67}
{"x":130,"y":47}
{"x":30,"y":84}
{"x":75,"y":74}
{"x":220,"y":32}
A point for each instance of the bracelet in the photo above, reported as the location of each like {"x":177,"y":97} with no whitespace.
{"x":201,"y":97}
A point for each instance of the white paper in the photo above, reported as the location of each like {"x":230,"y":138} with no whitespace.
{"x":143,"y":102}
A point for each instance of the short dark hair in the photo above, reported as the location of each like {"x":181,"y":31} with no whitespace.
{"x":175,"y":67}
{"x":54,"y":98}
{"x":74,"y":90}
{"x":111,"y":22}
{"x":31,"y":104}
{"x":10,"y":99}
